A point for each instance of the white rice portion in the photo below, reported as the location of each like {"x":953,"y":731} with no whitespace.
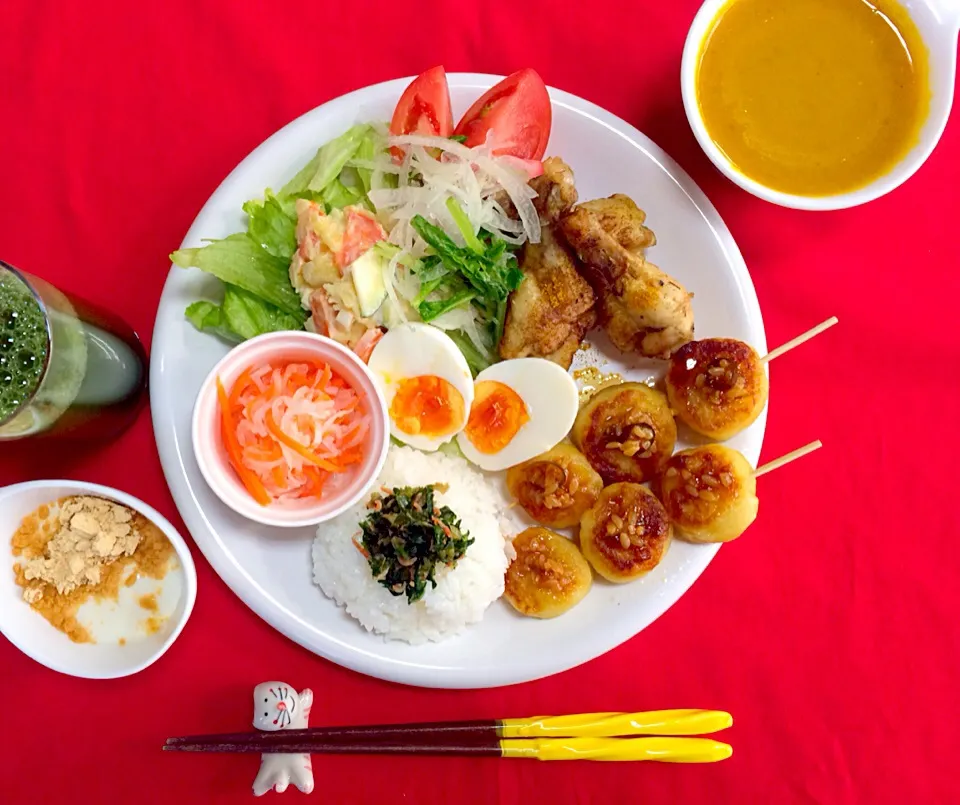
{"x":463,"y":593}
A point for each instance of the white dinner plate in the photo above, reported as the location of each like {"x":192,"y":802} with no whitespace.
{"x":271,"y":569}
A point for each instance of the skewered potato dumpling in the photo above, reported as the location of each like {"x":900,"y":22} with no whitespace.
{"x":556,"y":487}
{"x":717,"y":386}
{"x":549,"y":575}
{"x":625,"y":533}
{"x":626,"y":432}
{"x":710,"y":493}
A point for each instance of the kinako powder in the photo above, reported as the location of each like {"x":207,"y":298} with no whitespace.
{"x":151,"y":558}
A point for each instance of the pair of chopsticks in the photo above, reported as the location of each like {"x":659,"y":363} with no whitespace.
{"x":662,"y":735}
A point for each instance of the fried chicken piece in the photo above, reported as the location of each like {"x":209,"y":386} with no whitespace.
{"x":556,"y":192}
{"x":552,"y":309}
{"x":642,"y":309}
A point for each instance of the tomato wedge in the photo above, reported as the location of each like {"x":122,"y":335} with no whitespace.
{"x":515,"y":113}
{"x":424,"y":107}
{"x":531,"y":167}
{"x":361,"y":232}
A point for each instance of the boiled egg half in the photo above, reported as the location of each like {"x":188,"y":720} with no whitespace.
{"x":521,"y":408}
{"x":426,"y":383}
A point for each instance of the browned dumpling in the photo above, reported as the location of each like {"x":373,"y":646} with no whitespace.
{"x":549,"y":575}
{"x":626,"y":432}
{"x":717,"y":386}
{"x":556,"y":487}
{"x":710,"y":493}
{"x":625,"y":534}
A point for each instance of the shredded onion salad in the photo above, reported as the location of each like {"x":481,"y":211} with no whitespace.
{"x":472,"y":176}
{"x":482,"y":205}
{"x":287,"y":427}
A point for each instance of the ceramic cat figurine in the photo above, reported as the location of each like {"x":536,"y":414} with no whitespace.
{"x":277,"y":706}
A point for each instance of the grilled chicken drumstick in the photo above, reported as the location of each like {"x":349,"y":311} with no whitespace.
{"x":642,"y":309}
{"x":553,"y":308}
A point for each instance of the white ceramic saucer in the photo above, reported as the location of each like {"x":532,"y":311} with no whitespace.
{"x":110,"y":622}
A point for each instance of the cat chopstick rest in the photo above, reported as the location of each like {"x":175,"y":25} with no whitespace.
{"x":277,"y":706}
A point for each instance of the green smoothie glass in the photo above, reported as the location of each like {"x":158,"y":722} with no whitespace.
{"x":67,"y":368}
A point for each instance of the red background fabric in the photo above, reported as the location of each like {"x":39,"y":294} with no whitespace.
{"x":829,"y":630}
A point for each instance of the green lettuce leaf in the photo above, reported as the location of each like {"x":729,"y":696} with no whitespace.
{"x":451,"y":448}
{"x":241,"y":316}
{"x":239,"y":260}
{"x":367,"y":152}
{"x":273,"y":224}
{"x":249,"y":316}
{"x":208,"y":318}
{"x":337,"y":195}
{"x":328,"y":162}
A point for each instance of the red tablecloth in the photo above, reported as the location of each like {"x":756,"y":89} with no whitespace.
{"x":829,"y":631}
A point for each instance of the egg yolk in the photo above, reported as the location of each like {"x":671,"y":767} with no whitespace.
{"x":427,"y":405}
{"x":496,"y":415}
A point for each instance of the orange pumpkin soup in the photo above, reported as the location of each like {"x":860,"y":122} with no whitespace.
{"x":813,"y":97}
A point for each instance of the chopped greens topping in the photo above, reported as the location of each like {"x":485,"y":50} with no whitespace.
{"x":407,"y":536}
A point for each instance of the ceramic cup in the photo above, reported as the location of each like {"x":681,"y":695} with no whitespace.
{"x":212,"y":457}
{"x":938,"y":22}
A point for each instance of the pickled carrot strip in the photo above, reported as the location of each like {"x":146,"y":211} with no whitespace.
{"x":294,"y":445}
{"x":326,"y":376}
{"x":351,"y":457}
{"x":315,"y":481}
{"x":234,"y":452}
{"x":239,"y":386}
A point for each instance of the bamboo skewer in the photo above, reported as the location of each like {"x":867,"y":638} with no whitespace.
{"x":800,"y":339}
{"x":793,"y":455}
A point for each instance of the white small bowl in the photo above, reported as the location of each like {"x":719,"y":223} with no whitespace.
{"x":35,"y":637}
{"x":212,"y":458}
{"x":938,"y":22}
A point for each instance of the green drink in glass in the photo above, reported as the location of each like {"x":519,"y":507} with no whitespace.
{"x":67,"y":368}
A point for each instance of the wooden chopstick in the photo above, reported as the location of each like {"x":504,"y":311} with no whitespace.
{"x":311,"y":745}
{"x":462,"y":737}
{"x":465,"y":733}
{"x":663,"y":749}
